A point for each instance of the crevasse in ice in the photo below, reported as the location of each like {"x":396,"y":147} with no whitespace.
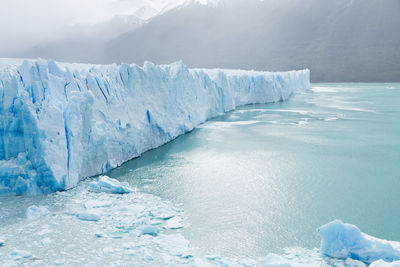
{"x":63,"y":122}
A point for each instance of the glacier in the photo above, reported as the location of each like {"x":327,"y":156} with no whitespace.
{"x":62,"y":122}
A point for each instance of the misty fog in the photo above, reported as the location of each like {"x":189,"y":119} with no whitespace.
{"x":339,"y":40}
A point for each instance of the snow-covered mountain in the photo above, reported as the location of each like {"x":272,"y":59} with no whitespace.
{"x":57,"y":29}
{"x":84,"y":40}
{"x":339,"y":40}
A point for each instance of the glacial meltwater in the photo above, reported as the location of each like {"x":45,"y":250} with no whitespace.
{"x":258,"y":180}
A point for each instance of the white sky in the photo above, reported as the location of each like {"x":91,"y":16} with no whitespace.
{"x":27,"y":22}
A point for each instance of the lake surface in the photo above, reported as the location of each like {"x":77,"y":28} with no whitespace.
{"x":264,"y":177}
{"x":257,"y":180}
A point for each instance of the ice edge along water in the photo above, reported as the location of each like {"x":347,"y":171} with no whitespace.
{"x":63,"y":122}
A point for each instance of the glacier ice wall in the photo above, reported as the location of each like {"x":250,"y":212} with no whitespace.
{"x":63,"y":122}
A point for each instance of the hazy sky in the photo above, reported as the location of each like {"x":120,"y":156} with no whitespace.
{"x":27,"y":22}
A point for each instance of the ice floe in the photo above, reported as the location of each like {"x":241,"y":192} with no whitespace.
{"x":87,"y":216}
{"x":34,"y":212}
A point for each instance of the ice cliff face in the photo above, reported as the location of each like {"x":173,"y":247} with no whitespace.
{"x":60,"y":123}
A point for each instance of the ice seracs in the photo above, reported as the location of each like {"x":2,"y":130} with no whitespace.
{"x":343,"y":240}
{"x":60,"y":123}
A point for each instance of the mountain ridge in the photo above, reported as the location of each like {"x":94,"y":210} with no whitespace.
{"x":340,"y":41}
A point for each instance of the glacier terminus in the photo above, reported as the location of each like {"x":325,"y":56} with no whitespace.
{"x":62,"y":122}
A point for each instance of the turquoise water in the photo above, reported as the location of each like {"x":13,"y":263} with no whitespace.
{"x":264,"y":177}
{"x":257,"y":180}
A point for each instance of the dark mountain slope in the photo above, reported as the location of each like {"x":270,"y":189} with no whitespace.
{"x":339,"y":40}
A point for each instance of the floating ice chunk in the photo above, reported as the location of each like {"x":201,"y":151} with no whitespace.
{"x":20,"y":253}
{"x":274,"y":260}
{"x":45,"y":231}
{"x":247,"y":262}
{"x":46,"y":241}
{"x":87,"y":216}
{"x":343,"y":240}
{"x":149,"y":230}
{"x":176,"y":245}
{"x":163,"y":214}
{"x":35,"y":212}
{"x":147,"y":255}
{"x":381,"y":263}
{"x":59,"y":262}
{"x":129,"y":245}
{"x":2,"y":242}
{"x":134,"y":209}
{"x":218,"y":260}
{"x":109,"y":250}
{"x":90,"y":204}
{"x":99,"y":235}
{"x":63,"y":193}
{"x":174,"y":223}
{"x":110,"y":185}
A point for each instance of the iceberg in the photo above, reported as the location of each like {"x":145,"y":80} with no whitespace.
{"x":343,"y":240}
{"x":109,"y":185}
{"x":87,"y":216}
{"x":62,"y":122}
{"x":174,"y":223}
